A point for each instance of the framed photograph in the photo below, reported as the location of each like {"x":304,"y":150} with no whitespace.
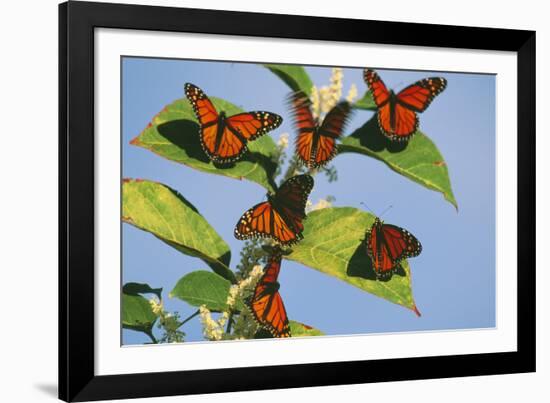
{"x":258,"y":201}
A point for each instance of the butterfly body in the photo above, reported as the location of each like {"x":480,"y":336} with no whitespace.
{"x":316,"y":140}
{"x":266,"y":304}
{"x":281,"y":216}
{"x":221,"y":126}
{"x":387,"y":245}
{"x":224,"y":138}
{"x":392,"y":101}
{"x":397,"y":112}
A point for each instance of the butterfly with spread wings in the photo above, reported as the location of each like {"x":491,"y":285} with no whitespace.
{"x":316,"y":142}
{"x":387,"y":245}
{"x":397,"y":113}
{"x":224,"y":138}
{"x":267,"y":304}
{"x":280,"y":217}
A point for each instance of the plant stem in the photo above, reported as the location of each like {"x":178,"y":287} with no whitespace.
{"x":151,"y":336}
{"x":293,"y":164}
{"x":189,"y":318}
{"x":229,"y":322}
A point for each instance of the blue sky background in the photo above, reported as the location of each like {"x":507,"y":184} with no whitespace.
{"x":453,"y":278}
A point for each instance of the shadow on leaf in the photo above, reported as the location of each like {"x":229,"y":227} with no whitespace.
{"x":183,"y":200}
{"x":225,"y":258}
{"x":370,"y":136}
{"x":360,"y":265}
{"x":184,"y":134}
{"x":267,"y":163}
{"x":218,"y":264}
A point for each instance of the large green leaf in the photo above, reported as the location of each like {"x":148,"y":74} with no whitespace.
{"x":174,"y":134}
{"x":160,"y":210}
{"x":203,"y":288}
{"x":298,"y":329}
{"x":334,"y":244}
{"x":418,"y":159}
{"x":141,"y":288}
{"x":137,"y":313}
{"x":295,"y":77}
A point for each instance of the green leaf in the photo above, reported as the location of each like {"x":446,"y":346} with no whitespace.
{"x":418,"y":159}
{"x":137,"y":313}
{"x":295,"y":77}
{"x":367,"y":102}
{"x":141,"y":288}
{"x":203,"y":288}
{"x":298,"y":329}
{"x":174,"y":134}
{"x":334,"y":244}
{"x":160,"y":210}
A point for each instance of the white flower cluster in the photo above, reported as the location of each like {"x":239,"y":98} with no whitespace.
{"x":210,"y":327}
{"x":325,"y":98}
{"x":283,"y":141}
{"x":352,"y":93}
{"x":315,"y":103}
{"x":156,"y":306}
{"x":329,"y":95}
{"x":321,"y":204}
{"x":214,"y":329}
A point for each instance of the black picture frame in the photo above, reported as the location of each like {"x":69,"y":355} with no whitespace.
{"x":77,"y":21}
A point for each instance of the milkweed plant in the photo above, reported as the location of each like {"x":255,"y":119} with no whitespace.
{"x":221,"y":295}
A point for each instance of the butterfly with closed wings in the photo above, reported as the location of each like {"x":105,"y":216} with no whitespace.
{"x":316,"y":142}
{"x":387,"y":245}
{"x":224,"y":138}
{"x":266,"y":304}
{"x":280,"y":217}
{"x":397,"y":113}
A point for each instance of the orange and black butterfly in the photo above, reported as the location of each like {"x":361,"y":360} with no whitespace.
{"x":316,"y":142}
{"x":280,"y":217}
{"x":387,"y":245}
{"x":397,"y":114}
{"x":266,"y":303}
{"x":224,"y":138}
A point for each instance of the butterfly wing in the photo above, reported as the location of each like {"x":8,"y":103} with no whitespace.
{"x":206,"y":115}
{"x":263,"y":221}
{"x":420,"y":95}
{"x":290,"y":201}
{"x":267,"y":304}
{"x":388,"y":244}
{"x":400,"y":242}
{"x":305,"y":125}
{"x":378,"y":89}
{"x":281,"y":217}
{"x":230,"y":148}
{"x":397,"y":122}
{"x":332,"y":127}
{"x":400,"y":121}
{"x":251,"y":125}
{"x":377,"y":251}
{"x":241,"y":128}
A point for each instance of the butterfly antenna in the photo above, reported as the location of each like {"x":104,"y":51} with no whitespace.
{"x":386,"y":210}
{"x":368,"y":208}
